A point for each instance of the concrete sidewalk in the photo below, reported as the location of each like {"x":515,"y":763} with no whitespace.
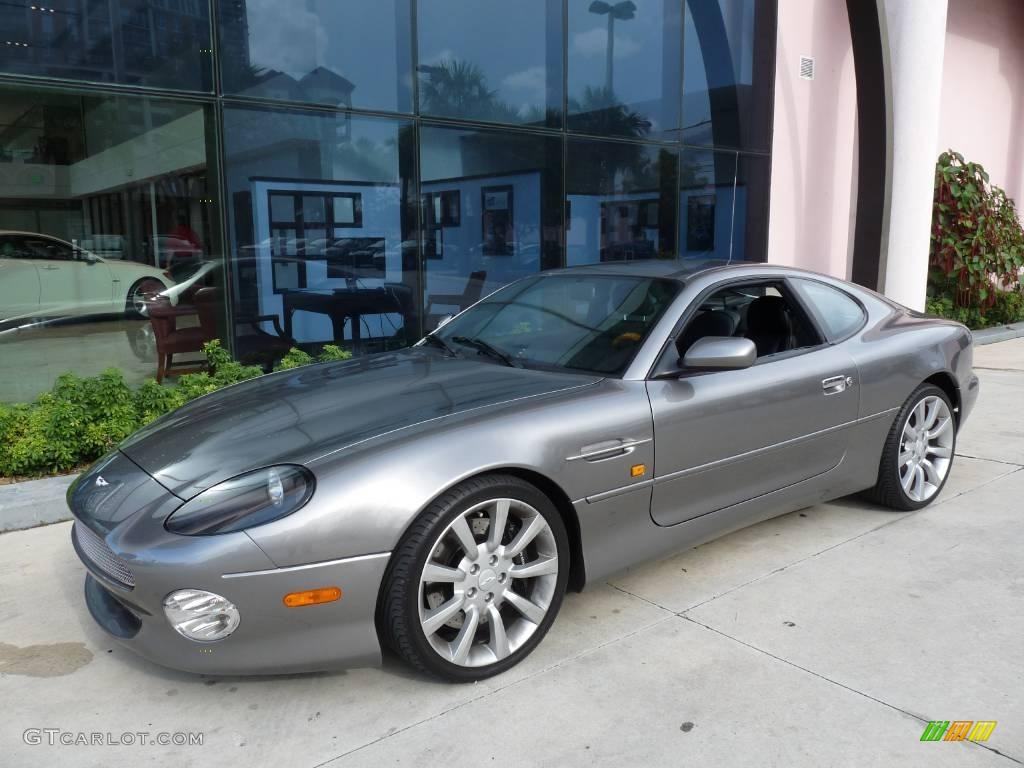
{"x":829,"y":636}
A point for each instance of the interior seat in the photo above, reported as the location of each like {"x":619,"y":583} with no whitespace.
{"x":708,"y":323}
{"x":768,"y":325}
{"x":737,"y":318}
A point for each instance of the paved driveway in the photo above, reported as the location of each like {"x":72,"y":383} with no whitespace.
{"x":829,"y":636}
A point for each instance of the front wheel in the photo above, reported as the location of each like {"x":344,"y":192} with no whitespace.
{"x":918,"y":451}
{"x":477,"y":580}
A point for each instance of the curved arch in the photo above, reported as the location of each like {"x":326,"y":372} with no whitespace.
{"x":869,"y":236}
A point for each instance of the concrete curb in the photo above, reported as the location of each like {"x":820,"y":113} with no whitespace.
{"x":34,"y":502}
{"x":999,"y":333}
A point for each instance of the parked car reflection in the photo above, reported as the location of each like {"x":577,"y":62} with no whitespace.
{"x":44,"y":276}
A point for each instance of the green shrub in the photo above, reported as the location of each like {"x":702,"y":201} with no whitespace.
{"x":1008,"y":307}
{"x":80,"y":419}
{"x":331,"y":352}
{"x":977,"y":247}
{"x":296,"y":357}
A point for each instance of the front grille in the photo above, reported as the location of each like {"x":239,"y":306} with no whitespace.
{"x":99,"y":555}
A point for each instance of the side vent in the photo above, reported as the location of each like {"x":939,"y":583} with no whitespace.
{"x":806,"y":68}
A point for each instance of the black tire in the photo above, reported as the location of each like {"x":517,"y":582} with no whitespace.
{"x":888,"y":491}
{"x":398,"y":609}
{"x":137,"y":293}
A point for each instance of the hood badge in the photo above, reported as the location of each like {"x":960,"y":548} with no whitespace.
{"x":100,"y":482}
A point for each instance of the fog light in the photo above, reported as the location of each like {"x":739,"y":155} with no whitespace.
{"x":201,"y":616}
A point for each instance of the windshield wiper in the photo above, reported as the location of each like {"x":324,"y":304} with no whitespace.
{"x":439,"y":342}
{"x":482,"y":346}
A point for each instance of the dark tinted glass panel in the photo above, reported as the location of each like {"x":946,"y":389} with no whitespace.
{"x":111,"y":198}
{"x":324,"y":51}
{"x":750,"y":220}
{"x":727,"y":73}
{"x":706,"y":191}
{"x":490,"y":60}
{"x":137,"y":42}
{"x":492,"y":212}
{"x":321,"y":230}
{"x":620,"y":201}
{"x":624,"y":67}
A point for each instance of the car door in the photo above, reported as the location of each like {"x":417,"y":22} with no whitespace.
{"x":19,"y":280}
{"x":723,"y":437}
{"x":71,"y":282}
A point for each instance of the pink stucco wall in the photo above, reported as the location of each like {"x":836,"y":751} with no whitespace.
{"x":814,"y":146}
{"x":982,"y":113}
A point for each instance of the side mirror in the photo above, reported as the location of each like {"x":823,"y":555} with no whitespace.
{"x":719,"y":353}
{"x":88,"y":257}
{"x":443,"y":320}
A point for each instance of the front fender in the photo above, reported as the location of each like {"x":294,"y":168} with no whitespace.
{"x":367,"y":495}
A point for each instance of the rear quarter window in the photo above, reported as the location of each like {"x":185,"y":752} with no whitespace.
{"x":839,"y":312}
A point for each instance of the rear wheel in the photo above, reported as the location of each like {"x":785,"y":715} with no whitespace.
{"x":140,"y":294}
{"x":477,"y":581}
{"x":918,"y":451}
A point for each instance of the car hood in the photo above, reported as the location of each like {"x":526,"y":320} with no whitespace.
{"x":300,"y":415}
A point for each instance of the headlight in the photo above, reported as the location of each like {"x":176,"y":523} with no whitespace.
{"x":201,"y":616}
{"x":244,"y":501}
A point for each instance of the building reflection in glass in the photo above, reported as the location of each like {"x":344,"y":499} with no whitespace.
{"x":107,"y":221}
{"x":135,"y":42}
{"x":620,"y":201}
{"x":492,"y":204}
{"x":322,"y":230}
{"x":319,"y":51}
{"x":624,"y":67}
{"x":493,"y":62}
{"x":728,"y":48}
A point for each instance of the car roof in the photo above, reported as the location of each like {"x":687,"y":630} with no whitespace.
{"x":675,"y":269}
{"x":32,"y":234}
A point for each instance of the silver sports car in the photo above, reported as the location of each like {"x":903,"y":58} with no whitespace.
{"x":442,"y":499}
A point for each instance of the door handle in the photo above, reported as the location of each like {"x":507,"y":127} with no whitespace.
{"x":48,"y":268}
{"x":833,"y":385}
{"x":606,"y":449}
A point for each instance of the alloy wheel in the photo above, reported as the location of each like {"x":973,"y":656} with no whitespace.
{"x":488,"y":582}
{"x":141,"y":294}
{"x":926,"y":448}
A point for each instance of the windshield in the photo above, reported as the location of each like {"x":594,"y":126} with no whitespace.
{"x":589,"y":323}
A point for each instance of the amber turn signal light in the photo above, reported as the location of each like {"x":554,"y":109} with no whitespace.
{"x":312,"y":597}
{"x":638,"y":470}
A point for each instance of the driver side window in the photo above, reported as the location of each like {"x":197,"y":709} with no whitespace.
{"x":12,"y":248}
{"x":763,"y":312}
{"x":49,"y":250}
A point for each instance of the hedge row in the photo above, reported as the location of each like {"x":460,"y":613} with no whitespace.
{"x":82,"y":418}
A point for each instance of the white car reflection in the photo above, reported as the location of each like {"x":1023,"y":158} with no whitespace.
{"x":43,"y":276}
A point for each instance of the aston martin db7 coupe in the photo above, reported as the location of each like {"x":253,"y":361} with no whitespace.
{"x":441,"y":500}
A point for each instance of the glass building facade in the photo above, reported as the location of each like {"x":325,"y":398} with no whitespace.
{"x":302,"y":172}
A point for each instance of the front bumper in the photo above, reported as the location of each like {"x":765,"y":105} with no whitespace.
{"x":270,"y":638}
{"x":133,"y":563}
